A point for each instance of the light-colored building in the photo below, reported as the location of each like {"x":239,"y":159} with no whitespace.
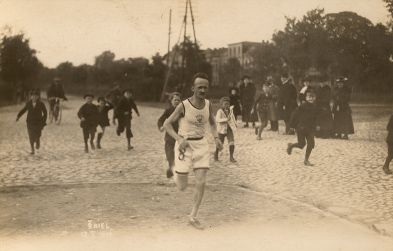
{"x":217,"y":59}
{"x":243,"y":52}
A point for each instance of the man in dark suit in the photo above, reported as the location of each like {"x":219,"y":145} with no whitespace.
{"x":247,"y":94}
{"x":287,"y":101}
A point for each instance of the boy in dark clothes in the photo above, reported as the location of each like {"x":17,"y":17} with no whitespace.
{"x":103,"y":119}
{"x":175,"y":99}
{"x":36,"y":119}
{"x":261,"y":105}
{"x":88,"y":114}
{"x":304,"y":120}
{"x":126,"y":104}
{"x":389,"y":141}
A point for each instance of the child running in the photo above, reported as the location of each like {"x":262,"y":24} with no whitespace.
{"x":88,"y":115}
{"x":261,"y":104}
{"x":304,"y":120}
{"x":389,"y":141}
{"x":103,"y":119}
{"x":36,"y":119}
{"x":175,"y":99}
{"x":124,"y":116}
{"x":226,"y":126}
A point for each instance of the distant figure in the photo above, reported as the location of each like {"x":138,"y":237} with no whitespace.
{"x":302,"y":93}
{"x":304,"y":120}
{"x":103,"y":120}
{"x":226,"y":126}
{"x":247,"y":94}
{"x":324,"y":112}
{"x":55,"y":91}
{"x":273,"y":112}
{"x":175,"y":99}
{"x":20,"y":93}
{"x":343,"y":124}
{"x":124,"y":115}
{"x":262,"y":109}
{"x":88,"y":115}
{"x":113,"y":96}
{"x":234,"y":101}
{"x":36,"y":119}
{"x":287,"y":101}
{"x":389,"y":141}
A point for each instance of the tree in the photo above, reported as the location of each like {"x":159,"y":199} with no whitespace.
{"x":18,"y":63}
{"x":231,"y":72}
{"x":267,"y":60}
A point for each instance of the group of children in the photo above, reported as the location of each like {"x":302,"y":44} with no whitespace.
{"x":96,"y":117}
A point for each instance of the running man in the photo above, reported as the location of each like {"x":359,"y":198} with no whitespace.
{"x":192,"y":149}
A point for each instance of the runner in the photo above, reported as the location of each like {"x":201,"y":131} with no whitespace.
{"x":194,"y":114}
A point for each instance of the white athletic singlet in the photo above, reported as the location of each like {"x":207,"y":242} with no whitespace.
{"x":193,"y":123}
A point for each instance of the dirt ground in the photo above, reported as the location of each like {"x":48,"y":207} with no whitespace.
{"x":154,"y":217}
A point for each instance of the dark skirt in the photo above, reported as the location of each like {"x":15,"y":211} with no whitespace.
{"x":343,"y":123}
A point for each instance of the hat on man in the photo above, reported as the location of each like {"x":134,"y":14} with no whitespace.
{"x":223,"y":99}
{"x":88,"y":95}
{"x":341,"y":79}
{"x":127,"y":90}
{"x":245,"y":76}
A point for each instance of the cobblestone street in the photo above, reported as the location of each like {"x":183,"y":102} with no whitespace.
{"x":347,"y":179}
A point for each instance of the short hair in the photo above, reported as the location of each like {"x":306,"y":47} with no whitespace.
{"x":200,"y":75}
{"x":173,"y":94}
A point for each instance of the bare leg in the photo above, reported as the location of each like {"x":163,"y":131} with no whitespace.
{"x":200,"y":176}
{"x":181,"y":180}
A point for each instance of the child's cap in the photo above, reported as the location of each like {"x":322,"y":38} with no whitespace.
{"x":222,"y":100}
{"x":101,"y":99}
{"x":88,"y":95}
{"x":310,"y":91}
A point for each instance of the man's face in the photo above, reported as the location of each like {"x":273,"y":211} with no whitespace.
{"x":265,"y":88}
{"x":200,"y":87}
{"x":57,"y":82}
{"x":128,"y":94}
{"x":247,"y":81}
{"x":306,"y":83}
{"x":310,"y":97}
{"x":340,"y":84}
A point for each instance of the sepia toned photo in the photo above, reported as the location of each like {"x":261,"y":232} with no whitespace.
{"x":196,"y":125}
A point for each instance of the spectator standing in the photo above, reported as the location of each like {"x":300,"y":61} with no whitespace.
{"x":247,"y":94}
{"x":324,"y":112}
{"x":273,"y":113}
{"x":343,"y":124}
{"x":287,"y":102}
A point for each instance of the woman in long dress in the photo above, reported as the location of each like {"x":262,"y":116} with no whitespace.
{"x":343,"y":124}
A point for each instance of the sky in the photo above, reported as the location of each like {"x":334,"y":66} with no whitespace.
{"x":79,"y":30}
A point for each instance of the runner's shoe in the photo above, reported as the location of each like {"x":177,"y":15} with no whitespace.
{"x":195,"y":223}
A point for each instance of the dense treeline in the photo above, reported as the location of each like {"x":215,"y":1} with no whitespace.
{"x":336,"y":44}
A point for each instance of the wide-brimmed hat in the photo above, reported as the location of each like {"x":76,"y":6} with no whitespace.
{"x":341,"y":79}
{"x":88,"y":95}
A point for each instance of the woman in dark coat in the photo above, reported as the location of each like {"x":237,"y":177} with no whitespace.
{"x":324,"y":112}
{"x":287,"y":102}
{"x":342,"y":112}
{"x":234,"y":101}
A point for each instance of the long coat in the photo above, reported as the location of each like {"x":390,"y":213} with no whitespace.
{"x":273,"y":112}
{"x":324,"y":112}
{"x":343,"y":123}
{"x":90,"y":114}
{"x":286,"y":97}
{"x":247,"y":94}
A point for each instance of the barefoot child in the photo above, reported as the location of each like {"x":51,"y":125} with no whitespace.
{"x":36,"y":118}
{"x":303,"y":119}
{"x":103,"y":119}
{"x":175,"y":99}
{"x":261,"y":104}
{"x":88,"y":115}
{"x":124,"y":115}
{"x":226,"y":126}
